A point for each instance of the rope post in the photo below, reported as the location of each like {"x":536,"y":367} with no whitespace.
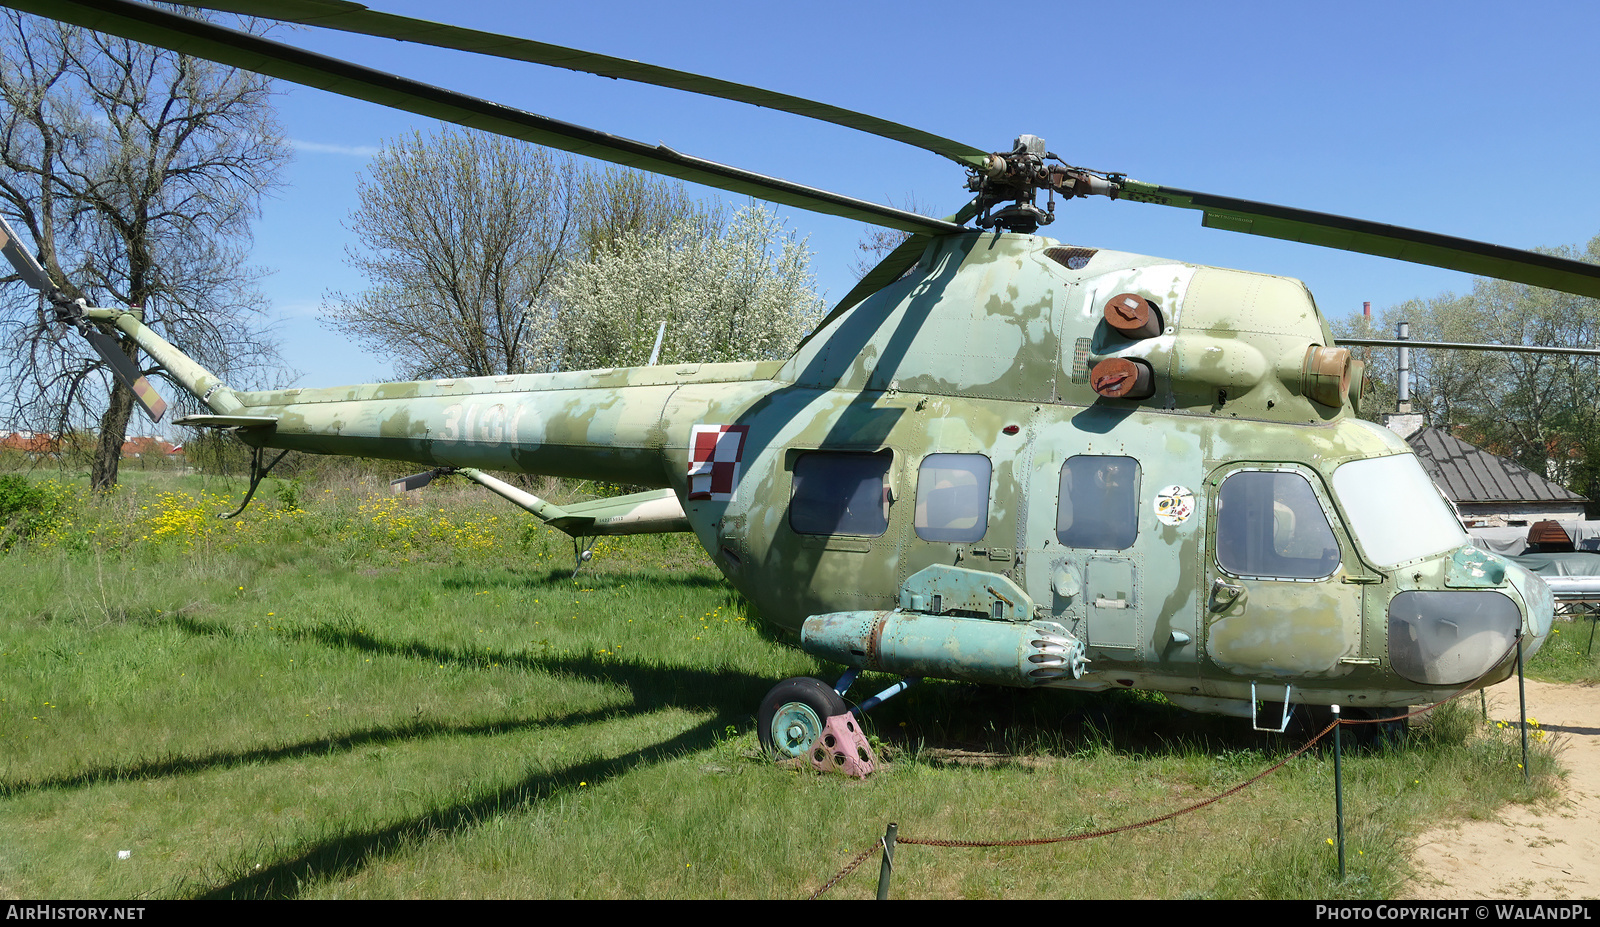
{"x":1522,"y":699}
{"x":887,"y":869}
{"x":1338,"y":789}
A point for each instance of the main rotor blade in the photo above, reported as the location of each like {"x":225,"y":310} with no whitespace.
{"x":1390,"y":241}
{"x":143,"y":393}
{"x":146,"y":24}
{"x":357,"y":18}
{"x":1465,"y":346}
{"x":22,"y":259}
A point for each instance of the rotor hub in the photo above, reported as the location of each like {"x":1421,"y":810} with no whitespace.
{"x":1017,"y":176}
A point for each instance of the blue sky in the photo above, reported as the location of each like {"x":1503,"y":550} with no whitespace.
{"x":1464,"y":118}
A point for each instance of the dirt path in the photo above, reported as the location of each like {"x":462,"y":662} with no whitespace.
{"x":1522,"y":853}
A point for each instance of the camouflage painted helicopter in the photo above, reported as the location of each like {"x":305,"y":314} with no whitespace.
{"x":1000,"y":459}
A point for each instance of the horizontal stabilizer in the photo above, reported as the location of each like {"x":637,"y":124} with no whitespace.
{"x":655,"y":511}
{"x":416,"y":480}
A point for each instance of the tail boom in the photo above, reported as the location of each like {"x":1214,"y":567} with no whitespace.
{"x":610,"y":425}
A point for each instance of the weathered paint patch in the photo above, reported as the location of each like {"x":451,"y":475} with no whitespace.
{"x":1301,"y":631}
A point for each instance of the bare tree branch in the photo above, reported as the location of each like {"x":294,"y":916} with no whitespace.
{"x":136,"y":172}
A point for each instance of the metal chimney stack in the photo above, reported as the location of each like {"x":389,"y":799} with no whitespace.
{"x":1403,"y":405}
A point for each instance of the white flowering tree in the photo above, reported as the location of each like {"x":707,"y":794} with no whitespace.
{"x":746,"y":293}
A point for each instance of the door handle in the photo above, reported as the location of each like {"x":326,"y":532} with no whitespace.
{"x":1224,"y":593}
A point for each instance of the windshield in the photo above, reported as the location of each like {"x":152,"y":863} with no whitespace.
{"x":1395,"y":511}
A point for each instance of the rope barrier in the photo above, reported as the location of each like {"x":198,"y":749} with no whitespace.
{"x":849,"y":868}
{"x":1090,"y":835}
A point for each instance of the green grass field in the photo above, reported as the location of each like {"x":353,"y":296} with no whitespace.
{"x":347,"y":694}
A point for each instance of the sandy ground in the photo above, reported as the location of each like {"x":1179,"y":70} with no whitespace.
{"x":1523,"y":853}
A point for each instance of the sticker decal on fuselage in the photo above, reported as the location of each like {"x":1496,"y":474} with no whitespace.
{"x":1174,"y":505}
{"x":715,"y":459}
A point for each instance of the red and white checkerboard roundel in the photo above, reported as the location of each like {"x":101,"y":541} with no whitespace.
{"x":715,"y":454}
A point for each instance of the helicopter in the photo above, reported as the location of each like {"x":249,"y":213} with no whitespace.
{"x":1000,"y":459}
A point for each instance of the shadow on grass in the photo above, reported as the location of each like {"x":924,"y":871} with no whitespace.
{"x":346,"y":855}
{"x":320,"y":746}
{"x":728,"y":694}
{"x":967,"y":719}
{"x":936,"y":716}
{"x":543,"y":579}
{"x":653,"y":687}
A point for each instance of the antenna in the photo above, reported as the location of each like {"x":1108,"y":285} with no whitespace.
{"x":655,"y":352}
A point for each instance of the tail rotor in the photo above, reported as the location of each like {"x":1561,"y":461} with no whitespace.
{"x":70,"y":313}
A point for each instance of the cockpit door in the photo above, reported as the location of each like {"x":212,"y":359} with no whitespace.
{"x":1280,"y":601}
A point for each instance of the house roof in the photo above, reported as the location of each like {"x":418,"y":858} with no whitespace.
{"x":1470,"y":474}
{"x":31,"y":442}
{"x":143,"y":444}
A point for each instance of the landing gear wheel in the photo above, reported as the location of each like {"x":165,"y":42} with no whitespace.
{"x":792,"y":715}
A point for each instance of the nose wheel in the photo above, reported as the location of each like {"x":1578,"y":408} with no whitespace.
{"x":792,"y":715}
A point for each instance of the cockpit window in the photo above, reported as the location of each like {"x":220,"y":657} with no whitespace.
{"x":953,"y":497}
{"x":1270,"y":524}
{"x":1098,"y":502}
{"x":840,"y":493}
{"x":1395,"y":510}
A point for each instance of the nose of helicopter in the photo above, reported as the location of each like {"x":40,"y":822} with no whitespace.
{"x":1466,"y":628}
{"x":1538,"y":603}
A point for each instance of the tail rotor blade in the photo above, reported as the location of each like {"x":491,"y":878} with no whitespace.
{"x":105,"y":345}
{"x":143,"y":393}
{"x":22,"y":259}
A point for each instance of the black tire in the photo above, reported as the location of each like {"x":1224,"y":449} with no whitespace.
{"x":792,"y":715}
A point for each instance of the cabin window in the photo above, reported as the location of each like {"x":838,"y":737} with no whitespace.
{"x":840,"y":493}
{"x":1271,"y":524}
{"x":1098,"y":503}
{"x":953,"y":497}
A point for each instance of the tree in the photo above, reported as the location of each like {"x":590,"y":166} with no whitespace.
{"x":465,"y":235}
{"x":1545,"y":413}
{"x":744,"y":294}
{"x":136,"y":171}
{"x":1441,"y":381}
{"x":617,"y":203}
{"x":876,"y":244}
{"x":460,"y":233}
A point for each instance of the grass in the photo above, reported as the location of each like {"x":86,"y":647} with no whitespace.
{"x":348,"y":695}
{"x":1569,"y":654}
